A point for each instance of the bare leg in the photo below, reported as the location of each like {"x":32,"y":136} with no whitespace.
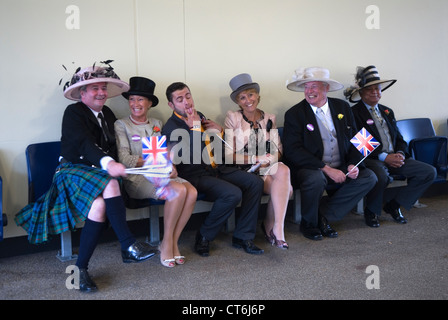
{"x":185,"y":215}
{"x":97,"y":212}
{"x":176,"y":214}
{"x":278,"y":186}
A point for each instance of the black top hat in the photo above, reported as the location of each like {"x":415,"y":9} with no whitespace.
{"x":142,"y":87}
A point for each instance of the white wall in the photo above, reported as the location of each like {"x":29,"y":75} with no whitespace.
{"x":205,"y":43}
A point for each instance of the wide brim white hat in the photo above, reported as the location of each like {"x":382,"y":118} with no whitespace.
{"x":95,"y":74}
{"x":304,"y":75}
{"x":366,"y":77}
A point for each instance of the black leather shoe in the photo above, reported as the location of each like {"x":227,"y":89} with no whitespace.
{"x":310,"y":231}
{"x":86,"y":284}
{"x":395,"y":213}
{"x":326,"y":229}
{"x":371,"y":219}
{"x":138,"y":252}
{"x":247,"y":245}
{"x":202,"y":245}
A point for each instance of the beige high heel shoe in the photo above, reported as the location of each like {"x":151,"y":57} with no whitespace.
{"x":179,"y":259}
{"x":169,"y":263}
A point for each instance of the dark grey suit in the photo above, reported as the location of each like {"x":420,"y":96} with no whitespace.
{"x":303,"y":151}
{"x":419,"y":175}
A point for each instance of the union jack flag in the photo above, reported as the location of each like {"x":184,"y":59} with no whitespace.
{"x":154,"y":150}
{"x":364,"y":142}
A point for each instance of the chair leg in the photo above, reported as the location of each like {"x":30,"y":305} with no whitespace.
{"x":417,"y":204}
{"x":154,"y":231}
{"x":297,"y":208}
{"x":66,"y":253}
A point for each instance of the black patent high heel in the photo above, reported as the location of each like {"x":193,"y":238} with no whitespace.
{"x":278,"y":243}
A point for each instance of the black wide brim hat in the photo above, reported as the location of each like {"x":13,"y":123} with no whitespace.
{"x":144,"y":87}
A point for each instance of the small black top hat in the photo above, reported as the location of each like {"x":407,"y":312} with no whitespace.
{"x":142,"y":87}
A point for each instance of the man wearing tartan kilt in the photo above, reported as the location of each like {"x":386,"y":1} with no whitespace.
{"x":85,"y":186}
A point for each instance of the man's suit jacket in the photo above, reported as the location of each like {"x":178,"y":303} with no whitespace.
{"x":302,"y":142}
{"x":364,"y":119}
{"x":195,"y":166}
{"x":82,"y":139}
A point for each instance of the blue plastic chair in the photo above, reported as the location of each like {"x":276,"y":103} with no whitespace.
{"x":42,"y":160}
{"x":3,"y":219}
{"x":432,"y":150}
{"x":416,"y":128}
{"x":424,"y":145}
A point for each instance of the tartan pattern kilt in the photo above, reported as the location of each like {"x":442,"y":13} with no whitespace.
{"x":66,"y":203}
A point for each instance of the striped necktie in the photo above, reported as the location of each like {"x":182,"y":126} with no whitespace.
{"x":209,"y":149}
{"x":105,"y":128}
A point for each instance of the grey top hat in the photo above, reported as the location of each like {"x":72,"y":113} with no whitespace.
{"x":240,"y":83}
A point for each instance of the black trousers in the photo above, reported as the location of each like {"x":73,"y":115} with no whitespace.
{"x":226,"y":189}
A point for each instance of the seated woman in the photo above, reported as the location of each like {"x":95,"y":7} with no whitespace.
{"x":129,"y":132}
{"x":251,"y":134}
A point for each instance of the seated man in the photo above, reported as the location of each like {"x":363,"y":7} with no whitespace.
{"x":226,"y":186}
{"x":317,"y":147}
{"x":392,"y":156}
{"x":85,"y":186}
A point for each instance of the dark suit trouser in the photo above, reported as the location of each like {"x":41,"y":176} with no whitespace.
{"x":345,"y":197}
{"x":419,"y":176}
{"x":226,"y":191}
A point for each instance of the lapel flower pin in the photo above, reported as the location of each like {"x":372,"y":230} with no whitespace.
{"x":155,"y":129}
{"x":386,"y":111}
{"x":340,"y":116}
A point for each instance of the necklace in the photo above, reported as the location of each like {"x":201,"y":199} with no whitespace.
{"x":252,"y":123}
{"x":138,"y":122}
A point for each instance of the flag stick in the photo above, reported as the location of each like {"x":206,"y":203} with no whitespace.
{"x":357,"y":164}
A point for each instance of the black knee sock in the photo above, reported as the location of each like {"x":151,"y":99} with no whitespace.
{"x":90,"y":235}
{"x":116,"y":213}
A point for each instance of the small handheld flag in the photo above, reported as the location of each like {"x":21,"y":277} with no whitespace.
{"x":155,"y":155}
{"x":364,"y":142}
{"x":154,"y":150}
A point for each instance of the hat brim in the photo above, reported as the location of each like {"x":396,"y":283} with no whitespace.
{"x":248,"y":86}
{"x":355,"y":97}
{"x":115,"y":87}
{"x":153,"y":98}
{"x":299,"y":85}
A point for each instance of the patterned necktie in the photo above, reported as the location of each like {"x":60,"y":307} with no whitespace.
{"x":377,"y":115}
